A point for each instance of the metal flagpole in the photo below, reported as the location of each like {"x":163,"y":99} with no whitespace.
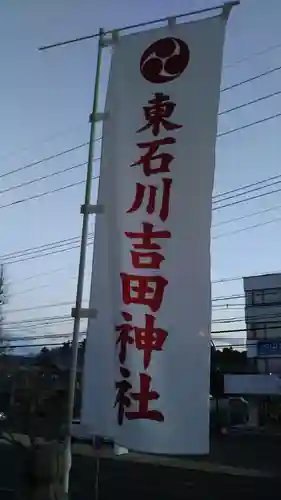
{"x":76,"y":313}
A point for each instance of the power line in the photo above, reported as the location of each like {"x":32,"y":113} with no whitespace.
{"x":51,"y":336}
{"x":225,"y":306}
{"x":55,"y":336}
{"x":46,"y":193}
{"x":247,"y":228}
{"x":216,"y":281}
{"x":246,"y":186}
{"x":85,"y":144}
{"x":246,"y":199}
{"x":47,"y":285}
{"x":39,"y":337}
{"x":214,"y":332}
{"x":48,"y":176}
{"x":42,"y":178}
{"x":248,"y":80}
{"x":262,"y":319}
{"x":60,"y":304}
{"x":226,"y":280}
{"x":38,"y":256}
{"x":62,"y":343}
{"x":32,"y":164}
{"x":53,"y":252}
{"x":47,"y":139}
{"x":243,"y":330}
{"x":252,"y":214}
{"x":53,"y":271}
{"x":40,"y":287}
{"x":242,"y":127}
{"x":228,"y":297}
{"x":229,"y":307}
{"x":252,"y":190}
{"x":249,"y":103}
{"x":96,"y":159}
{"x":34,"y":288}
{"x":230,"y":345}
{"x":99,"y":138}
{"x":38,"y":322}
{"x":40,"y":275}
{"x":255,"y":54}
{"x":41,"y":306}
{"x":45,"y":246}
{"x":34,"y":327}
{"x":43,"y":160}
{"x":9,"y":346}
{"x":44,"y":320}
{"x":19,"y":329}
{"x":96,"y":177}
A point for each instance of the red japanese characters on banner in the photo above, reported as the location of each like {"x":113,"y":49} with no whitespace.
{"x":156,"y":115}
{"x":142,"y":189}
{"x":125,"y":396}
{"x":142,"y":289}
{"x":150,"y":259}
{"x":147,"y":338}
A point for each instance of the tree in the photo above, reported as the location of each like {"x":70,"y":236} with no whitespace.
{"x":229,"y":360}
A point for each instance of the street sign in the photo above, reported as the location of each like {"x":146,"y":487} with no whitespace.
{"x":271,"y":348}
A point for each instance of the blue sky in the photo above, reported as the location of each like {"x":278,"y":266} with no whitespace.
{"x":45,"y":101}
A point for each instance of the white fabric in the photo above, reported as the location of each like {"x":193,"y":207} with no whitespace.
{"x":180,"y":371}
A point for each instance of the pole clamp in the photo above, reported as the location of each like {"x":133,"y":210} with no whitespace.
{"x":172,"y":21}
{"x":91,"y":209}
{"x":84,"y":313}
{"x":110,"y":40}
{"x":99,"y":117}
{"x":227,"y":7}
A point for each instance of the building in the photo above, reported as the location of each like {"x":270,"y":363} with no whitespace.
{"x":263,"y":322}
{"x":262,"y":384}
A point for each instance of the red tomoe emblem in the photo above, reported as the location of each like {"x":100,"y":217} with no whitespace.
{"x":164,"y":60}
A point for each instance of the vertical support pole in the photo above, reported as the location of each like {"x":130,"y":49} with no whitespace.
{"x":2,"y":299}
{"x":80,"y":282}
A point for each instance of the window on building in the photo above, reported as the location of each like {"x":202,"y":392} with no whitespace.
{"x":249,"y":297}
{"x":268,"y":296}
{"x":251,"y":331}
{"x":256,"y":331}
{"x":272,"y":296}
{"x":258,"y":297}
{"x":273,"y":329}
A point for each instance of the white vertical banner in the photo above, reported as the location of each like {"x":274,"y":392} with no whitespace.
{"x":146,"y":378}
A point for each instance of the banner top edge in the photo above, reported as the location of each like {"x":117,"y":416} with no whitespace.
{"x":226,"y":6}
